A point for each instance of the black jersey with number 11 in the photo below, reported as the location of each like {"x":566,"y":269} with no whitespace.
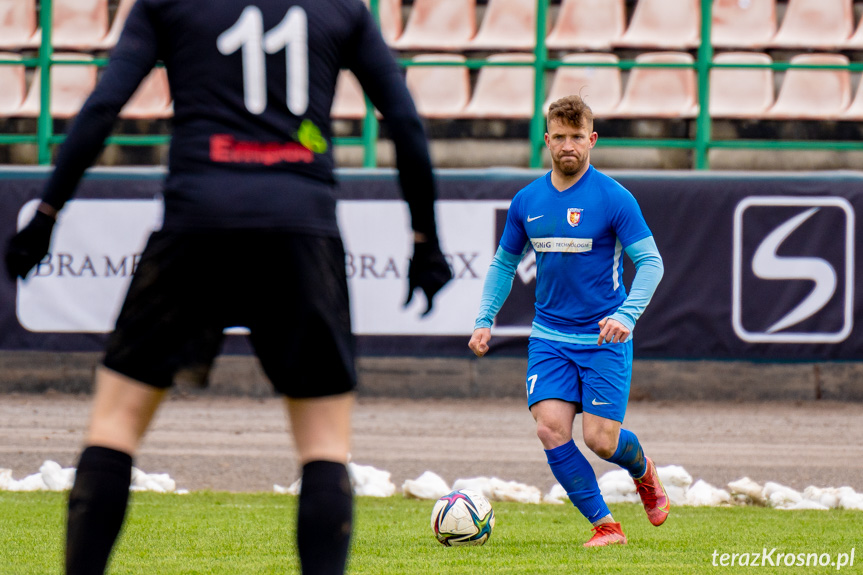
{"x":252,"y":83}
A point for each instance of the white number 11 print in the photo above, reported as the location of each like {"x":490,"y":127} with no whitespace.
{"x":291,"y":33}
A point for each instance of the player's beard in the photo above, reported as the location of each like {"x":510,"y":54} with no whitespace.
{"x":569,"y":165}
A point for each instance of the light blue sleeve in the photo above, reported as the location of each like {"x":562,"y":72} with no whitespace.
{"x":648,"y":272}
{"x":498,"y":283}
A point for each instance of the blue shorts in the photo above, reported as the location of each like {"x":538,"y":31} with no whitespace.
{"x":596,"y":378}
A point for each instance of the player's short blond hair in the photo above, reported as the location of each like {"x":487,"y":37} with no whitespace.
{"x":570,"y":110}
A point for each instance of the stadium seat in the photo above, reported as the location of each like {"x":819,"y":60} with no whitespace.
{"x":120,"y":15}
{"x":439,"y":91}
{"x":152,"y":99}
{"x":741,"y":92}
{"x":79,"y":24}
{"x":743,"y":23}
{"x":808,"y":94}
{"x":503,"y":91}
{"x":348,"y":102}
{"x":822,"y":24}
{"x":854,"y":112}
{"x":439,"y":25}
{"x":70,"y":86}
{"x":587,"y":25}
{"x":390,"y":12}
{"x":666,"y":24}
{"x":855,"y":42}
{"x":13,"y":86}
{"x":660,"y":92}
{"x":600,"y":86}
{"x":17,"y":24}
{"x":507,"y":25}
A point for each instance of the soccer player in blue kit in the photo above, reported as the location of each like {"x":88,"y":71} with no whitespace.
{"x":249,"y":238}
{"x":580,"y":222}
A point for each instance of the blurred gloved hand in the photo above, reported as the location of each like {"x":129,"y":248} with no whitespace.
{"x":29,"y":246}
{"x":428,"y":271}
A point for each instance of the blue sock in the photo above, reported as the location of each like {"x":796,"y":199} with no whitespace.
{"x":629,"y":454}
{"x":575,"y":474}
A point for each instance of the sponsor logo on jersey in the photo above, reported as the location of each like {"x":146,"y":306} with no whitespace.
{"x":225,"y":149}
{"x":565,"y":245}
{"x":573,"y":216}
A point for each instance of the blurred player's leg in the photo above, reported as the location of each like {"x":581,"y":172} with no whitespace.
{"x":122,"y":410}
{"x":322,"y":433}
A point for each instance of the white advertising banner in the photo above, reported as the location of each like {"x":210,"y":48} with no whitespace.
{"x":95,"y":247}
{"x":97,"y":244}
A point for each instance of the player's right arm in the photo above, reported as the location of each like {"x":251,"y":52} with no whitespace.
{"x":498,"y":280}
{"x":370,"y":60}
{"x":495,"y":289}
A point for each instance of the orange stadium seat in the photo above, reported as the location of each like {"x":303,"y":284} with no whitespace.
{"x":439,"y":91}
{"x":13,"y":86}
{"x":741,"y":92}
{"x":348,"y":102}
{"x":743,"y":23}
{"x":152,"y":99}
{"x":507,"y":25}
{"x":390,"y":12}
{"x":854,"y":112}
{"x":17,"y":24}
{"x":587,"y":25}
{"x":667,"y":24}
{"x":439,"y":25}
{"x":120,"y":15}
{"x":660,"y":92}
{"x":855,"y":42}
{"x":79,"y":24}
{"x":503,"y":91}
{"x":600,"y":86}
{"x":71,"y":84}
{"x":824,"y":24}
{"x":808,"y":94}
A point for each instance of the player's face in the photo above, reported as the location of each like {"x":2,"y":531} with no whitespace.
{"x":570,"y":146}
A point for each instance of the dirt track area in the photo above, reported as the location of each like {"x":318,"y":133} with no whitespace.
{"x":240,"y":444}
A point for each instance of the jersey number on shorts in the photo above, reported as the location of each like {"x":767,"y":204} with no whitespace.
{"x":532,"y":381}
{"x":291,"y":34}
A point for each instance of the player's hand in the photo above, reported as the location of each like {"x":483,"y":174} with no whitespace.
{"x":479,"y":341}
{"x":29,"y":246}
{"x":428,"y":271}
{"x":612,"y":331}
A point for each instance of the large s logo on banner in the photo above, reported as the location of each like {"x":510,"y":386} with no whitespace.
{"x":793,"y":269}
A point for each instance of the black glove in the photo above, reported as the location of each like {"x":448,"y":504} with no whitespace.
{"x":428,"y":270}
{"x":29,"y":246}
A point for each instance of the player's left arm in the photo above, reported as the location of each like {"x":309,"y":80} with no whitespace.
{"x":131,"y":60}
{"x":648,"y":272}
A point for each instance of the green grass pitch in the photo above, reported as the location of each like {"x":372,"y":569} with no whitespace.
{"x":251,"y":533}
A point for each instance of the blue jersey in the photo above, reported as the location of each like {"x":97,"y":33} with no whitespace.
{"x":579,"y":236}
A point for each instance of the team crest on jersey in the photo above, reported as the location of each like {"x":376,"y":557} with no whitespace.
{"x":573,"y":216}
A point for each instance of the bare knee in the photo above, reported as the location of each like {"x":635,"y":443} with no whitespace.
{"x":552,"y":434}
{"x":602,"y":444}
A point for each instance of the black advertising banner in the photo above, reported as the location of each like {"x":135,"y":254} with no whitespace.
{"x":758,"y":266}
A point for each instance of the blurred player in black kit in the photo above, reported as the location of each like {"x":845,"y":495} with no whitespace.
{"x":249,"y":238}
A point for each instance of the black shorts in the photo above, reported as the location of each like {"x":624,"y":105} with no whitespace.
{"x":288,"y":289}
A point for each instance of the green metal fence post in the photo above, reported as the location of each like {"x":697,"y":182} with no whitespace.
{"x":705,"y":58}
{"x":540,"y":54}
{"x":45,"y":128}
{"x":370,"y":122}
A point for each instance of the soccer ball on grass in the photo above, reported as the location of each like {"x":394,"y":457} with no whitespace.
{"x":463,"y":517}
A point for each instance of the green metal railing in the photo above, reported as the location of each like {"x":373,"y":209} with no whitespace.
{"x":701,"y":144}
